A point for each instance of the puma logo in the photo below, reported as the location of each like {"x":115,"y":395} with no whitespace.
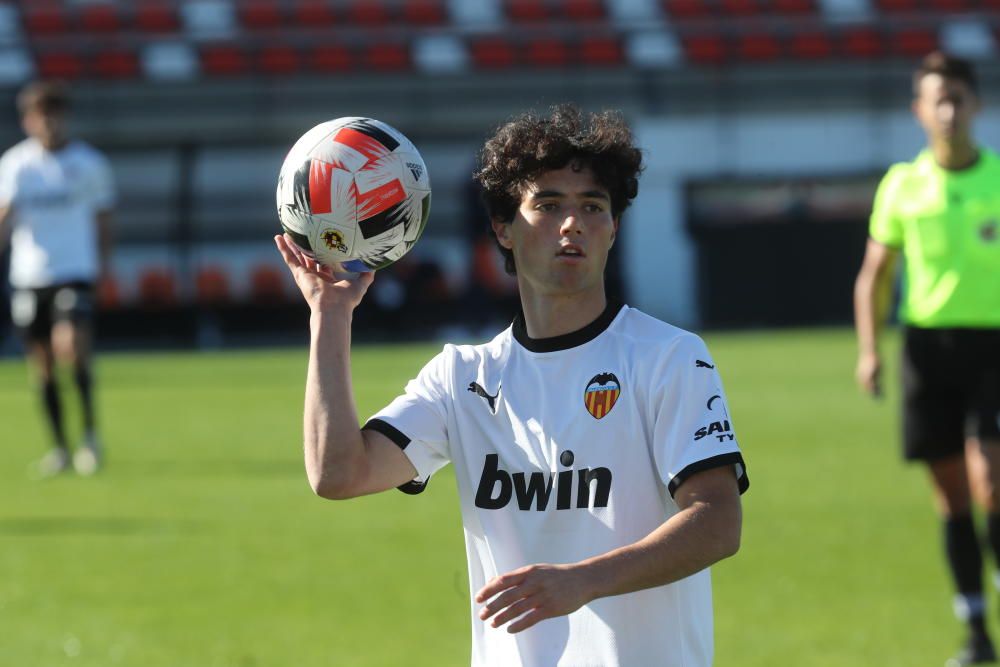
{"x":698,"y":363}
{"x":490,"y":400}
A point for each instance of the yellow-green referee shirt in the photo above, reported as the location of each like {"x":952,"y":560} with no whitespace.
{"x":947,"y":224}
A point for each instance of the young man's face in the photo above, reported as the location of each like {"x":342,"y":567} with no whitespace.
{"x":945,"y":108}
{"x":48,"y":127}
{"x":561,"y":233}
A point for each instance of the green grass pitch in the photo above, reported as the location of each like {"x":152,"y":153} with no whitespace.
{"x":202,"y":545}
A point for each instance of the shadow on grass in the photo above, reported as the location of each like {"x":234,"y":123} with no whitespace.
{"x":67,"y":525}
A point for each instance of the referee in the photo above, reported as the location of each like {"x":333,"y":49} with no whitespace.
{"x":941,"y":212}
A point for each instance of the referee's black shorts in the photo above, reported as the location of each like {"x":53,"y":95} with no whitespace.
{"x":951,"y":390}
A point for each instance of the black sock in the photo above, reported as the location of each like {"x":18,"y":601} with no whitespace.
{"x":85,"y":383}
{"x":966,"y":563}
{"x":53,"y":410}
{"x":993,"y":533}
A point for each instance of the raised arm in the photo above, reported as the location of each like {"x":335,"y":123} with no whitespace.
{"x":705,"y":530}
{"x":872,"y":294}
{"x":341,"y":460}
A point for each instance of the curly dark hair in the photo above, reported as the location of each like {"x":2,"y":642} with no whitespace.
{"x":949,"y":67}
{"x":528,"y":145}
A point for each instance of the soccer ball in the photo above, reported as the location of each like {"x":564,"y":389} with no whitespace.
{"x":354,"y":194}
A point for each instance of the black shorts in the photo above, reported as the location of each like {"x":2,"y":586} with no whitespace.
{"x":951,"y":390}
{"x":35,"y":311}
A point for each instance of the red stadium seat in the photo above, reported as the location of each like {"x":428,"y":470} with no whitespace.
{"x":45,"y":18}
{"x":260,"y":14}
{"x":759,"y":47}
{"x":737,"y":8}
{"x":601,"y":51}
{"x":953,"y":6}
{"x":157,"y":288}
{"x":267,"y":285}
{"x":424,"y":12}
{"x":155,"y":17}
{"x":60,"y":65}
{"x":331,"y":58}
{"x":493,"y":53}
{"x":862,"y":43}
{"x":108,"y":293}
{"x":99,"y":17}
{"x":278,"y":60}
{"x":527,"y":11}
{"x":223,"y":60}
{"x":211,"y":286}
{"x":793,"y":7}
{"x":549,"y":52}
{"x":313,"y":13}
{"x":387,"y":57}
{"x":369,"y":13}
{"x":913,"y":43}
{"x":116,"y":64}
{"x":706,"y":49}
{"x":810,"y":46}
{"x":687,"y":9}
{"x":898,"y":6}
{"x":583,"y":10}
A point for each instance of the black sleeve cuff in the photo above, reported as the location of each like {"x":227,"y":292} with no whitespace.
{"x":732,"y":458}
{"x":412,"y":487}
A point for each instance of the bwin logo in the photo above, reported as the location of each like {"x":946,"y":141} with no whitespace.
{"x":497,"y":487}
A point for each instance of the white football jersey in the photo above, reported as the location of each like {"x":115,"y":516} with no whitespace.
{"x":565,"y":448}
{"x":54,"y":197}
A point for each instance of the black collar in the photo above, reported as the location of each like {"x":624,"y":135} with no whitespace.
{"x":571,"y":339}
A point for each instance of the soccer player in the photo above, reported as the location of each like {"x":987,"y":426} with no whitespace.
{"x":941,"y":212}
{"x":56,"y":198}
{"x":598,"y":470}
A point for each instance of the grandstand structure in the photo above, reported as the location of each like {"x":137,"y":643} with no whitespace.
{"x":196,"y":102}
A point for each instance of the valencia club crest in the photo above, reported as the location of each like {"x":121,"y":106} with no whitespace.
{"x":601,"y":393}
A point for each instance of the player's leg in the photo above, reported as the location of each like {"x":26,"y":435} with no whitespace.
{"x":73,"y":336}
{"x":983,"y":427}
{"x":30,"y":312}
{"x":933,"y":425}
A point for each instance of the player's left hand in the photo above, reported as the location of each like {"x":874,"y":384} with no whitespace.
{"x":531,"y":594}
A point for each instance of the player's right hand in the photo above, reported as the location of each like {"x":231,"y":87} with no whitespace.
{"x":321,"y":287}
{"x":869,"y":374}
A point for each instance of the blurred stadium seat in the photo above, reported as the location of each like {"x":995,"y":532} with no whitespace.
{"x":108,"y":293}
{"x":116,"y":64}
{"x":99,"y":17}
{"x":601,"y":52}
{"x":278,"y":60}
{"x":261,"y":14}
{"x":330,"y":58}
{"x":313,"y":14}
{"x":157,"y":288}
{"x":424,"y":12}
{"x":550,"y":52}
{"x":493,"y":53}
{"x":224,"y":60}
{"x":212,"y":286}
{"x":155,"y":16}
{"x":60,"y":65}
{"x":267,"y":285}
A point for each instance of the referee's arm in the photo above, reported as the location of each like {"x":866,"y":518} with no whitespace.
{"x":872,"y":294}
